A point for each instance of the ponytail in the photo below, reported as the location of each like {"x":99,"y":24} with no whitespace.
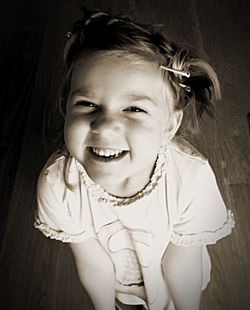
{"x":196,"y":91}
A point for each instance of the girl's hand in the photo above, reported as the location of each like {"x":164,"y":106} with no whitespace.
{"x":182,"y":267}
{"x":96,"y":272}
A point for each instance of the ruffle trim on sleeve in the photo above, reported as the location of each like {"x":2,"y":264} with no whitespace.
{"x":59,"y":235}
{"x":206,"y":237}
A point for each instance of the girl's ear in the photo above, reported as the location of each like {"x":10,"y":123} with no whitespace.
{"x":173,"y":124}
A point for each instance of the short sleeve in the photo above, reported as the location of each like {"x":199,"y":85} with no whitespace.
{"x":58,"y":214}
{"x":203,"y":218}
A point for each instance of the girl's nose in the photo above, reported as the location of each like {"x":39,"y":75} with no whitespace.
{"x":107,"y":126}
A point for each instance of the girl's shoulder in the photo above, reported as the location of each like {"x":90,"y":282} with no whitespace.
{"x":60,"y":172}
{"x":53,"y":169}
{"x":185,"y":150}
{"x":186,"y":160}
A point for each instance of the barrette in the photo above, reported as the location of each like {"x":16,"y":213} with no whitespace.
{"x":186,"y":87}
{"x":183,"y":73}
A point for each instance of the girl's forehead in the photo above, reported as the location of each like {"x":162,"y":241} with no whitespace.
{"x":122,"y":74}
{"x":115,"y":63}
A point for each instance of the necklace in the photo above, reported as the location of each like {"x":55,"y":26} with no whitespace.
{"x":102,"y":196}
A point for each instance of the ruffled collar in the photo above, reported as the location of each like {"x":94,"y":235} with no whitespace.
{"x":102,"y":196}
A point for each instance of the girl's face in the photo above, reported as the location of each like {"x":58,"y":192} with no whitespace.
{"x":118,"y":114}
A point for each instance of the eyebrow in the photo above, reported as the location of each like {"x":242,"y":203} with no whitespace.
{"x":82,"y":92}
{"x":133,"y":97}
{"x":139,"y":97}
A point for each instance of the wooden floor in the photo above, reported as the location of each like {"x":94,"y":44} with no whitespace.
{"x":37,"y":273}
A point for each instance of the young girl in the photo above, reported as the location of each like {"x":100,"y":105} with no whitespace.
{"x":136,"y":202}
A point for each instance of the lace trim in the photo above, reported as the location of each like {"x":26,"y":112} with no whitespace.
{"x":102,"y":196}
{"x":207,"y":237}
{"x":59,"y":235}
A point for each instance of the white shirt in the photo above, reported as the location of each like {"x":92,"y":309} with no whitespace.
{"x":185,"y":208}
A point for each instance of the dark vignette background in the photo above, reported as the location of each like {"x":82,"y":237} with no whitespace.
{"x":37,"y":273}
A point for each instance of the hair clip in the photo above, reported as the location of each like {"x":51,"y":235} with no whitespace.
{"x":183,"y":73}
{"x":186,"y":87}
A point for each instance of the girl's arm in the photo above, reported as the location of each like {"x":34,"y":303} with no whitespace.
{"x":96,"y":272}
{"x":182,"y":267}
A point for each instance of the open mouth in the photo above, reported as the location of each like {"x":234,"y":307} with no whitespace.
{"x":107,"y":154}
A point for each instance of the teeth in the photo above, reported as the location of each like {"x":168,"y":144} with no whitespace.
{"x":106,"y":152}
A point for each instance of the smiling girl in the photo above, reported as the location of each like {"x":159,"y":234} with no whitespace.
{"x":136,"y":202}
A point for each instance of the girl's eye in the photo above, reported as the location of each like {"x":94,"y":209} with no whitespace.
{"x":135,"y":109}
{"x":87,"y":106}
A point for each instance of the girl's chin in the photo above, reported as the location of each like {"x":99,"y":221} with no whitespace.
{"x":105,"y":179}
{"x":119,"y":185}
{"x":117,"y":189}
{"x":115,"y":184}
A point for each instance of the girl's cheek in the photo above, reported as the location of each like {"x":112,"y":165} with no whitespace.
{"x":76,"y":121}
{"x":74,"y":129}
